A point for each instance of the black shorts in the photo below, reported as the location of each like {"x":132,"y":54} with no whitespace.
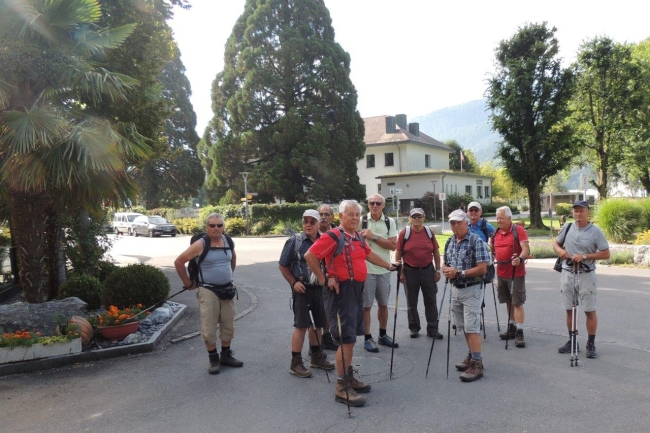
{"x":303,"y":303}
{"x":349,"y":305}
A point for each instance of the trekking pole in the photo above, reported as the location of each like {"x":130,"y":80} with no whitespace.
{"x":392,"y":349}
{"x":448,"y":330}
{"x":345,"y":371}
{"x":155,"y":305}
{"x":320,"y":347}
{"x":483,"y":312}
{"x":512,"y":285}
{"x":436,"y":328}
{"x":574,"y":314}
{"x":496,"y":310}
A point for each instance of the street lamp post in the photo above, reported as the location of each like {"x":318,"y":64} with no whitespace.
{"x":245,"y":176}
{"x":433,"y":182}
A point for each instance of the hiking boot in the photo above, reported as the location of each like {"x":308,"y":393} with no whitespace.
{"x":519,"y":338}
{"x":370,"y":345}
{"x":228,"y":359}
{"x":348,"y":396}
{"x":438,"y":335}
{"x":567,"y":347}
{"x":462,"y":366}
{"x":415,"y":333}
{"x":510,"y":333}
{"x":319,"y":360}
{"x":355,"y":383}
{"x":385,"y":340}
{"x":329,"y":343}
{"x":591,"y":351}
{"x":298,"y":368}
{"x":214,"y":363}
{"x":474,"y":371}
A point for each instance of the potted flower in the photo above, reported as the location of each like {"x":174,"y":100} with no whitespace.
{"x":117,"y":324}
{"x":23,"y":345}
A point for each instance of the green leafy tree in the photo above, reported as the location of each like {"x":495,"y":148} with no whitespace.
{"x":284,"y":107}
{"x":528,"y":96}
{"x":607,"y":93}
{"x":54,"y":154}
{"x":470,"y":164}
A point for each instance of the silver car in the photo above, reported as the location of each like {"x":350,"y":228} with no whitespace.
{"x":152,"y":226}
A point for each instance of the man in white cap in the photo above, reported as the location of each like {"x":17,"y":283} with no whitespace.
{"x":477,"y":225}
{"x":306,"y":296}
{"x":466,"y":258}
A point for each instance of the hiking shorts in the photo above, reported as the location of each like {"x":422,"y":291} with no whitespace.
{"x":586,"y":290}
{"x":349,"y":304}
{"x":518,"y":290}
{"x":216,"y":313}
{"x":466,"y":306}
{"x":303,"y":303}
{"x":377,"y":286}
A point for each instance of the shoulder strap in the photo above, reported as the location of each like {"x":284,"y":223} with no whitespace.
{"x":206,"y":249}
{"x":387,"y":221}
{"x":298,"y":240}
{"x":231,"y":244}
{"x":407,"y":235}
{"x":364,"y":221}
{"x":484,"y":229}
{"x":428,"y":230}
{"x":566,"y":231}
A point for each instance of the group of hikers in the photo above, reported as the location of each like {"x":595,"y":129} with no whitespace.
{"x":337,"y":273}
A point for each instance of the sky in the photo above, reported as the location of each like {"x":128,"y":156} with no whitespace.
{"x":413,"y":56}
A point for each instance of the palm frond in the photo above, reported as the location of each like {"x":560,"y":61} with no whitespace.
{"x":64,"y":14}
{"x":95,"y":43}
{"x":26,"y":131}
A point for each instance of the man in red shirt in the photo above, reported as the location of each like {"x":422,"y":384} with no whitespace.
{"x":346,"y":273}
{"x":510,"y":256}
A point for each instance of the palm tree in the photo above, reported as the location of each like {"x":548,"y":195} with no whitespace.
{"x":53,"y":154}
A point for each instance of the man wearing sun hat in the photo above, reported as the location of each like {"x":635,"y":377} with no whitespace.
{"x":582,"y":243}
{"x":306,"y":296}
{"x":466,"y":258}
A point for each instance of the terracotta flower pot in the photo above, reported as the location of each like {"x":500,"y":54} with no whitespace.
{"x":118,"y":332}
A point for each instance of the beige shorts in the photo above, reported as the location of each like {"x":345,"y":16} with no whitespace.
{"x":216,"y":312}
{"x":586,"y":290}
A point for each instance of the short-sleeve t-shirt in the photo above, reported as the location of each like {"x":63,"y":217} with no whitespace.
{"x":586,"y":240}
{"x":379,"y":228}
{"x":418,"y":251}
{"x":325,"y":247}
{"x":503,"y":250}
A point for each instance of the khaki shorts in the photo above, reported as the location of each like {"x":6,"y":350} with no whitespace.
{"x":466,"y":307}
{"x":587,"y":290}
{"x":377,"y":286}
{"x":215,"y":313}
{"x":518,"y":290}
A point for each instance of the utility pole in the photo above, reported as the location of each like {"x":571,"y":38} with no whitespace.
{"x":245,"y":176}
{"x":433,"y":182}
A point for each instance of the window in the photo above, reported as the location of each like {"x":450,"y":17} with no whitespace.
{"x":370,"y":161}
{"x":388,"y":159}
{"x":479,"y":193}
{"x":379,"y":187}
{"x":427,"y":161}
{"x":487,"y":191}
{"x":468,"y":189}
{"x":391,"y":184}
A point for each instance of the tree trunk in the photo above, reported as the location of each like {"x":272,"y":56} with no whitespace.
{"x":645,"y":180}
{"x":53,"y":243}
{"x":28,"y":230}
{"x":535,"y":208}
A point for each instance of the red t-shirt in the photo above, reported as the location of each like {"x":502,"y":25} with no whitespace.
{"x":503,"y":251}
{"x":418,"y":250}
{"x":325,"y":247}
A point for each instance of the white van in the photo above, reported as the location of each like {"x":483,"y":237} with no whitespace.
{"x":123,"y":222}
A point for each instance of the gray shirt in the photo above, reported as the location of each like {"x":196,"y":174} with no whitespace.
{"x":215,"y":268}
{"x":586,"y":240}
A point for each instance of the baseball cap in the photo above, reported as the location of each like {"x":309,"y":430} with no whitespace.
{"x":457,"y":215}
{"x":312,"y":214}
{"x":581,"y":203}
{"x":474,"y":204}
{"x":416,"y":211}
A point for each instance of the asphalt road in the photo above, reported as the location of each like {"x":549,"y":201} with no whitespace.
{"x":524,"y":390}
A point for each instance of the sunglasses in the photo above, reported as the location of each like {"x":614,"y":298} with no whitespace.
{"x":309,"y":222}
{"x":473,"y":210}
{"x":375,"y":203}
{"x":215,"y":225}
{"x":416,"y":216}
{"x":324,"y":214}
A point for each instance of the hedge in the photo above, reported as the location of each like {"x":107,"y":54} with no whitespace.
{"x":280,"y":212}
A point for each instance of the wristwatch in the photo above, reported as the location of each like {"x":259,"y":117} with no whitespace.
{"x":462,"y":275}
{"x":584,"y":257}
{"x":375,"y":238}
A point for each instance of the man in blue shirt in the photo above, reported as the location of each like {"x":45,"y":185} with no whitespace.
{"x":477,"y":225}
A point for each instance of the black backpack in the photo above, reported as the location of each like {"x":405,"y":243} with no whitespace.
{"x":364,"y":222}
{"x":194,"y":265}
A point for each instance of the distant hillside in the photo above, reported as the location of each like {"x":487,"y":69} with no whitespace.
{"x":467,"y":123}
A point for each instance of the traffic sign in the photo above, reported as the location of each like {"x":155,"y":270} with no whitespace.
{"x":395,"y":191}
{"x":442,"y":196}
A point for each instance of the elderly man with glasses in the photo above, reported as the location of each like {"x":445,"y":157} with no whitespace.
{"x":477,"y":225}
{"x":307,"y":297}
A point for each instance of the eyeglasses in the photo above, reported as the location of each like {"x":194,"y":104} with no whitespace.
{"x":215,"y":225}
{"x":375,"y":203}
{"x":324,"y":214}
{"x":309,"y":222}
{"x":474,"y":209}
{"x":416,"y":216}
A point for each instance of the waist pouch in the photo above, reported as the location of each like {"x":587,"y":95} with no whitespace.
{"x":462,"y":285}
{"x":223,"y":291}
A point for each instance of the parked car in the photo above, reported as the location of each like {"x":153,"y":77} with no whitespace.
{"x":152,"y":226}
{"x":123,"y":221}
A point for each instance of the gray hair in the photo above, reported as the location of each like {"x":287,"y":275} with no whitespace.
{"x":348,"y":203}
{"x":214,"y":215}
{"x":383,"y":200}
{"x":507,"y":211}
{"x":326,"y":206}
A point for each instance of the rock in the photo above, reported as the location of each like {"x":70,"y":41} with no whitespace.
{"x":642,"y":255}
{"x":161,"y":315}
{"x":38,"y":317}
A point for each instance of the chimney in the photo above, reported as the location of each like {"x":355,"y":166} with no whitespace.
{"x":414,"y":128}
{"x":400,"y":119}
{"x":390,"y":124}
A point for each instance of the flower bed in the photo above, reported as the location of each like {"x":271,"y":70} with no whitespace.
{"x":39,"y":350}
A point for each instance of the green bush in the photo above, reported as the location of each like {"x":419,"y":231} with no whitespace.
{"x":166,"y":212}
{"x":228,"y":211}
{"x":85,"y":287}
{"x":135,"y":284}
{"x":619,"y":257}
{"x":189,"y":226}
{"x":287,"y":227}
{"x":491,"y":208}
{"x":643,"y":238}
{"x":236,"y":226}
{"x":279,"y":212}
{"x":524,"y":208}
{"x":103,"y":269}
{"x":563,"y":209}
{"x":262,"y":227}
{"x":645,"y":218}
{"x":618,"y":218}
{"x":542,"y":249}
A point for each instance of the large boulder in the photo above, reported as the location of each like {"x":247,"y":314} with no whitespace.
{"x":642,"y":255}
{"x":38,"y":317}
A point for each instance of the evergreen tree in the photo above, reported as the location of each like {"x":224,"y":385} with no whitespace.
{"x":469,"y":163}
{"x":528,"y":96}
{"x":284,"y":108}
